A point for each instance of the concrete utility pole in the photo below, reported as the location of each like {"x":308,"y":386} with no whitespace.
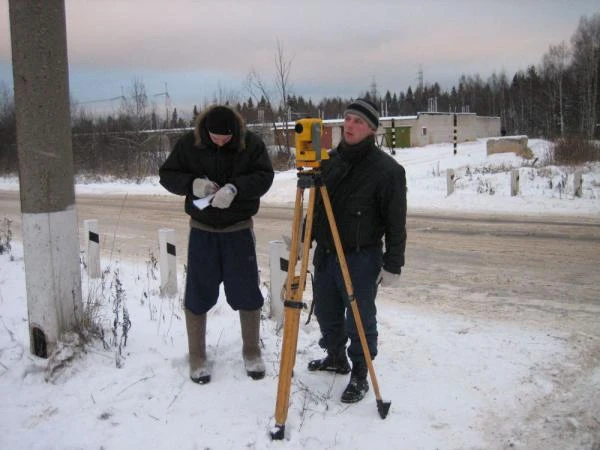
{"x":50,"y":231}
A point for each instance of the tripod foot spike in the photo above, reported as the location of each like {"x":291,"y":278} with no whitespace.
{"x":278,"y":432}
{"x":383,"y":408}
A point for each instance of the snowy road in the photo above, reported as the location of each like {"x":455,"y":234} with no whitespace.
{"x":532,"y":258}
{"x":536,"y":265}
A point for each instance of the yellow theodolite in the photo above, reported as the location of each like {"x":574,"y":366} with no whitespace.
{"x":308,"y":140}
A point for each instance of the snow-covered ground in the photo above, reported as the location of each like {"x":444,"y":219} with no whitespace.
{"x":482,"y":182}
{"x":448,"y":376}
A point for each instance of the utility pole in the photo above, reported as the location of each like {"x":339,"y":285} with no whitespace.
{"x":50,"y":231}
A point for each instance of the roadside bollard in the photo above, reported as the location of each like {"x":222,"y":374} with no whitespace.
{"x":450,"y":179}
{"x":514,"y":182}
{"x":92,"y":248}
{"x":278,"y":273}
{"x":167,"y":262}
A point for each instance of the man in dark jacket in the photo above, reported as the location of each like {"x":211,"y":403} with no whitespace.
{"x":367,"y":189}
{"x":222,"y":169}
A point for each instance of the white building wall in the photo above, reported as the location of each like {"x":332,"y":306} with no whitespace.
{"x":467,"y":127}
{"x":432,"y":128}
{"x":336,"y":135}
{"x":489,"y":126}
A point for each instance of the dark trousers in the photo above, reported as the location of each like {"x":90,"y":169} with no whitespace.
{"x":229,"y":258}
{"x":332,"y":307}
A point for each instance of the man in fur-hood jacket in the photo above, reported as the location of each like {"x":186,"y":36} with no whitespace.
{"x":367,"y":189}
{"x":228,"y":168}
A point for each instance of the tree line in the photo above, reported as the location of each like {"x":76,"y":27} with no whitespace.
{"x":557,"y":98}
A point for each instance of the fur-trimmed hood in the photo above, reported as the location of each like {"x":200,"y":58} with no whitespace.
{"x":201,"y":133}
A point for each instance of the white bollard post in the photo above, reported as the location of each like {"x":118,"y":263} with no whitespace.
{"x":167,"y":261}
{"x":578,"y":184}
{"x":514,"y":182}
{"x":450,"y":181}
{"x":92,"y":248}
{"x":277,"y":254}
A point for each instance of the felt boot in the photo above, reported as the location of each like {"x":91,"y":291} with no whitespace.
{"x":253,"y":362}
{"x":196,"y":332}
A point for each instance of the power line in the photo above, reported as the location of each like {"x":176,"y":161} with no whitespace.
{"x":112,"y":99}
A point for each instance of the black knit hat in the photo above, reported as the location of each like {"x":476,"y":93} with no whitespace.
{"x":220,"y":120}
{"x":366,"y":110}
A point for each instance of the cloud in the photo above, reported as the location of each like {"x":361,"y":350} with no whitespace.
{"x":336,"y":46}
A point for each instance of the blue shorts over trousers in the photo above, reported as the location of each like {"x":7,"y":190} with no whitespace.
{"x":227,"y":257}
{"x":332,"y":306}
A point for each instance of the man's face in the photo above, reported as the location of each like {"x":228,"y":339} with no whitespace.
{"x":220,"y":139}
{"x":355,"y":129}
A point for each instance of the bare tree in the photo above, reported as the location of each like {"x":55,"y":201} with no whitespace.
{"x":554,"y":67}
{"x":136,"y":105}
{"x":283,"y":66}
{"x":586,"y":60}
{"x":137,"y":117}
{"x":258,"y":89}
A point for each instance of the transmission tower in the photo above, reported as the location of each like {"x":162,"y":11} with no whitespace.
{"x":167,"y":103}
{"x":373,"y":90}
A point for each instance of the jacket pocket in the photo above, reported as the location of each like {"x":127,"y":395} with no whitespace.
{"x":360,"y":217}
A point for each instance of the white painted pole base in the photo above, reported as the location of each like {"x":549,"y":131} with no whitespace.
{"x":578,"y":184}
{"x":52,"y":277}
{"x":450,"y":181}
{"x":514,"y":182}
{"x":167,"y":262}
{"x":93,"y":248}
{"x":278,"y":277}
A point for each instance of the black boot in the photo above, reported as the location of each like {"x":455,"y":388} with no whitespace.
{"x":358,"y":386}
{"x":333,"y":362}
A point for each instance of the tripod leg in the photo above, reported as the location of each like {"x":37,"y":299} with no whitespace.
{"x":290,"y":342}
{"x":382,"y":407}
{"x":293,"y":307}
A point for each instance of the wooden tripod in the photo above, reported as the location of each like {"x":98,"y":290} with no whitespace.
{"x":294,"y":289}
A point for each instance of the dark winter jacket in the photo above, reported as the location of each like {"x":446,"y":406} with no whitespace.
{"x":367,"y":189}
{"x":243,"y":162}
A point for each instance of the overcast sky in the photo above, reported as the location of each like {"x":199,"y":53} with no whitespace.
{"x":337,"y":48}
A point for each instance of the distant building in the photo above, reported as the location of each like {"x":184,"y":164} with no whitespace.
{"x":413,"y":131}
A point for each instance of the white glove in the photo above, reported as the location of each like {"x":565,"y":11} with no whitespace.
{"x":388,"y":280}
{"x":201,"y":187}
{"x":224,"y":196}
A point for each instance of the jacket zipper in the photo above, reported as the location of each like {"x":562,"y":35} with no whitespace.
{"x":359,"y":214}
